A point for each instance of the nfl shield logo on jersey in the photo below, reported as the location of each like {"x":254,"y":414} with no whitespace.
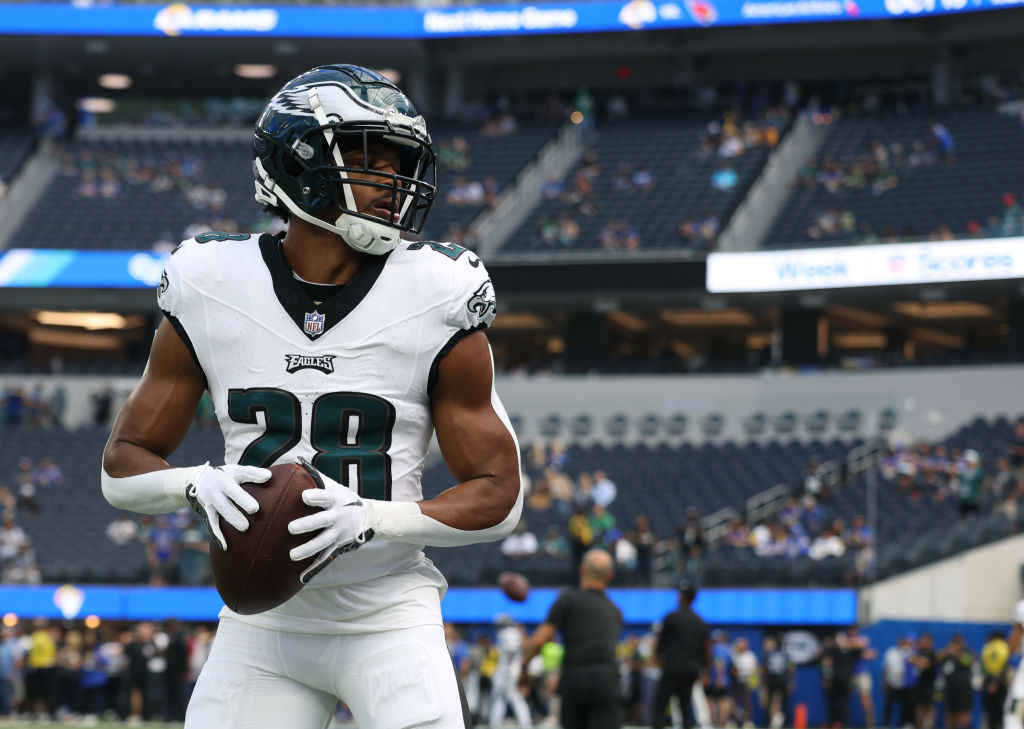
{"x":314,"y":324}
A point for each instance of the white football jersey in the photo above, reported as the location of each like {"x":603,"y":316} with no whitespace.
{"x":345,"y":383}
{"x":1017,"y":686}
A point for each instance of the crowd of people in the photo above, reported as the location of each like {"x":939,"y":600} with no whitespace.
{"x":79,"y":671}
{"x":939,"y":473}
{"x":750,"y":682}
{"x":20,"y":501}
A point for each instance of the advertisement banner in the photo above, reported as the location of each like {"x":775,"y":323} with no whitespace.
{"x":811,"y":269}
{"x":45,"y":268}
{"x":797,"y":607}
{"x":370,"y":21}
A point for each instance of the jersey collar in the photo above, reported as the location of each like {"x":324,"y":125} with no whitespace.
{"x":311,"y":319}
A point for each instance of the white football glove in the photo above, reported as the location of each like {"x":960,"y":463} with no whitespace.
{"x":215,"y":492}
{"x":342,"y":524}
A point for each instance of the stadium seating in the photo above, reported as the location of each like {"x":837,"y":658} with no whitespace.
{"x":934,"y":189}
{"x":670,"y":148}
{"x":136,"y":194}
{"x":496,"y":159}
{"x":662,"y":481}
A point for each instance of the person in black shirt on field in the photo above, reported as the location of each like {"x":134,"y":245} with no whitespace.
{"x":924,"y":660}
{"x":684,"y":649}
{"x":837,"y":663}
{"x":590,"y":625}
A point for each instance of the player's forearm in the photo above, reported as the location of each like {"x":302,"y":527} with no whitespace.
{"x":482,"y":509}
{"x":136,"y":479}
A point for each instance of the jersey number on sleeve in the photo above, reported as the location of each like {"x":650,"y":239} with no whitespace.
{"x":350,"y":431}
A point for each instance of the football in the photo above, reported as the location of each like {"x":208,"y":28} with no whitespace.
{"x":255,"y":573}
{"x":515,"y":586}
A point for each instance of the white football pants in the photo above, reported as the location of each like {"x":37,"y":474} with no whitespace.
{"x":265,"y":679}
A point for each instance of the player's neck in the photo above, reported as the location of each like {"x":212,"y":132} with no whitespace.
{"x":318,"y":256}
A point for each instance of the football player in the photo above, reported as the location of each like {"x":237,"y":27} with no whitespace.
{"x":345,"y":344}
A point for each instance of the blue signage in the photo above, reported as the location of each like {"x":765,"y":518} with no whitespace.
{"x":798,"y":607}
{"x":57,"y":268}
{"x":596,"y":16}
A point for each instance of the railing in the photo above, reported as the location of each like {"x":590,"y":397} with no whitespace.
{"x":517,"y":201}
{"x":767,"y":503}
{"x":717,"y":523}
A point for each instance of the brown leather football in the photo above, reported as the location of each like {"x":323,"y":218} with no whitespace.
{"x":255,"y":573}
{"x":515,"y":586}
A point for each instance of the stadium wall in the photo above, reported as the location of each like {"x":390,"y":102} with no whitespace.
{"x":978,"y":586}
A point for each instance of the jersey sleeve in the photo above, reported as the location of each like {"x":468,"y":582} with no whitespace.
{"x":1018,"y":613}
{"x":473,"y":304}
{"x":168,"y":294}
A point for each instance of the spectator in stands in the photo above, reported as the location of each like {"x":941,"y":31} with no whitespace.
{"x":554,"y":544}
{"x":945,"y":140}
{"x":194,"y":557}
{"x":23,"y":569}
{"x":605,"y":490}
{"x":539,"y":498}
{"x":644,"y":540}
{"x":561,"y":488}
{"x":500,"y":125}
{"x":1005,"y":491}
{"x":581,"y":537}
{"x":48,"y":473}
{"x":737,"y":535}
{"x":553,"y":189}
{"x":466,"y":192}
{"x":102,"y":400}
{"x":12,"y":537}
{"x":642,"y":179}
{"x":972,"y":475}
{"x":161,"y":542}
{"x":25,"y":480}
{"x":602,"y":523}
{"x":829,"y":544}
{"x":568,"y":231}
{"x":1015,"y":451}
{"x":584,"y":496}
{"x":724,"y":178}
{"x":454,"y":154}
{"x":122,"y":530}
{"x":8,"y":504}
{"x":521,"y":543}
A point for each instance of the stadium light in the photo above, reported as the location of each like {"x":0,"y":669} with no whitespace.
{"x":115,"y":81}
{"x":91,"y":320}
{"x":255,"y":70}
{"x":96,"y":104}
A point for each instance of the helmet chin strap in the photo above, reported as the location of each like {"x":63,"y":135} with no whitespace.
{"x":366,"y":236}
